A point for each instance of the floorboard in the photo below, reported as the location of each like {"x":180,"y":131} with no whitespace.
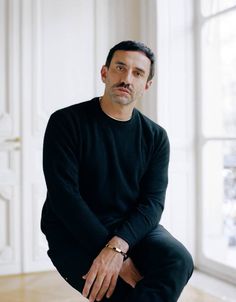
{"x":50,"y":287}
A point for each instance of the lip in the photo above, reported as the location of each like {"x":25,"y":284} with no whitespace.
{"x":121,"y":89}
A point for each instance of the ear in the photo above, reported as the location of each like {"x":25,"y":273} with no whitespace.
{"x":148,"y":84}
{"x":104,"y":73}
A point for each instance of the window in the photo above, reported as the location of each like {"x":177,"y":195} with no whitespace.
{"x":217,"y":136}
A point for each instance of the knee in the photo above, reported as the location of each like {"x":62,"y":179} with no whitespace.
{"x":183,"y":261}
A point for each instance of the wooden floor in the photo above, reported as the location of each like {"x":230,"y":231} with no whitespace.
{"x":50,"y":287}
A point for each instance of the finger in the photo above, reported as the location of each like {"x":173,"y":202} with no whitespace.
{"x":88,"y":283}
{"x":104,"y":288}
{"x":96,"y":287}
{"x":112,"y":286}
{"x":85,"y":276}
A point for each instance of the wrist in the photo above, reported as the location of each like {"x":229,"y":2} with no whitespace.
{"x":116,"y":250}
{"x":119,"y":243}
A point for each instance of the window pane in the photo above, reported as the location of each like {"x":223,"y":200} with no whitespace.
{"x":219,"y":202}
{"x":219,"y":76}
{"x":210,"y":7}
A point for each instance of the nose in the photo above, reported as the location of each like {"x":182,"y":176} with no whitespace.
{"x":127,"y":77}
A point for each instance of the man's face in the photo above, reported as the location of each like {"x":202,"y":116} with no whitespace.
{"x":126,"y":78}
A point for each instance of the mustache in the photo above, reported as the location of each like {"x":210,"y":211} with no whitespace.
{"x":123,"y":85}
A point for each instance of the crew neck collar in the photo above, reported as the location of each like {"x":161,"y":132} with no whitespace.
{"x":111,"y":119}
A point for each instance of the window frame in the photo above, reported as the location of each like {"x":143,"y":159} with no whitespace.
{"x":202,"y":262}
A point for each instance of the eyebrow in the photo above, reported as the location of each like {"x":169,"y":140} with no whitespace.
{"x":123,"y":64}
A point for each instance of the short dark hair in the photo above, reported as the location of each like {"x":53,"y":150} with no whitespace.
{"x":133,"y":46}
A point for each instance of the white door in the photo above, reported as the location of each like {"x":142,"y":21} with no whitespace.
{"x":10,"y":142}
{"x":57,"y":71}
{"x":47,"y":61}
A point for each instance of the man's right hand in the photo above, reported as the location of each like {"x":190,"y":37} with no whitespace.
{"x":129,"y":273}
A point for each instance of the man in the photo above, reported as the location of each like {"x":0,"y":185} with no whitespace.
{"x":105,"y":166}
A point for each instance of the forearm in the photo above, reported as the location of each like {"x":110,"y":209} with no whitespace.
{"x":140,"y":222}
{"x":150,"y":204}
{"x":79,"y":220}
{"x":61,"y":171}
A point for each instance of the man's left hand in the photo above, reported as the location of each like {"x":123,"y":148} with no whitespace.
{"x":102,"y":276}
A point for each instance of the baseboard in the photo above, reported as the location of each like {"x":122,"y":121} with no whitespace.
{"x":213,"y":286}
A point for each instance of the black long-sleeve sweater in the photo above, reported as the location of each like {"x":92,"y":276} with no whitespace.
{"x":104,"y":177}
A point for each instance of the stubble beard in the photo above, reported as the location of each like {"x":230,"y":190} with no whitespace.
{"x":121,"y":100}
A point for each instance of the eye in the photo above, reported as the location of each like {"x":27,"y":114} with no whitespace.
{"x":119,"y":67}
{"x":138,"y":74}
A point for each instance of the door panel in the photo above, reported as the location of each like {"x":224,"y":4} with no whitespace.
{"x":10,"y":142}
{"x":57,"y":71}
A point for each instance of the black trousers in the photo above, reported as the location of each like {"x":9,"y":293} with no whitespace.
{"x":163,"y":261}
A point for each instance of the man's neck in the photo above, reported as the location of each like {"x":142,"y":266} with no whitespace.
{"x":116,"y":111}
